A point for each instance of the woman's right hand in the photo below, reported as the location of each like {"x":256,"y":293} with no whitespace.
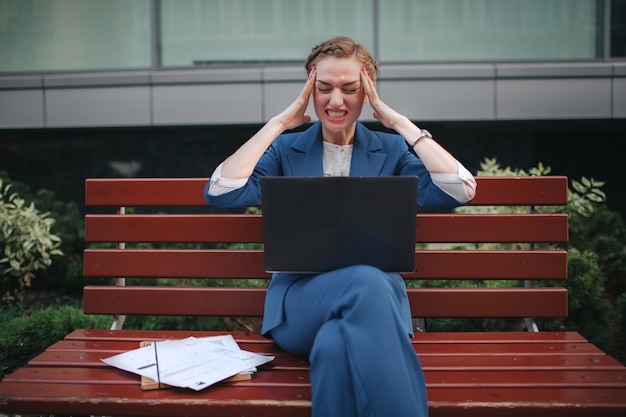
{"x":241,"y":163}
{"x":294,"y":115}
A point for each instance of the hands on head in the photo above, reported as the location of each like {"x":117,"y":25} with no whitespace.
{"x":382,"y":112}
{"x":295,"y":114}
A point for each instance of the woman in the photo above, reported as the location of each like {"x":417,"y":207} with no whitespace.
{"x":353,"y":324}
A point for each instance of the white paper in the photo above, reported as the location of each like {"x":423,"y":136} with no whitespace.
{"x":194,"y":363}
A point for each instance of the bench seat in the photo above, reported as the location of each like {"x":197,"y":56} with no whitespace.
{"x":506,"y":373}
{"x":516,"y":372}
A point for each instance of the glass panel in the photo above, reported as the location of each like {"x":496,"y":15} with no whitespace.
{"x":47,"y":35}
{"x":196,"y":32}
{"x":462,"y":30}
{"x":50,"y":35}
{"x":618,"y":28}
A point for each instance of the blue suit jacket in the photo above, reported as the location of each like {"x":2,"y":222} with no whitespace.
{"x":300,"y":154}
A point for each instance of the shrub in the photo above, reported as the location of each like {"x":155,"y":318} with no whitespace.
{"x":65,"y":273}
{"x":604,"y":233}
{"x":622,"y":313}
{"x":588,"y":308}
{"x":34,"y":330}
{"x":26,"y":242}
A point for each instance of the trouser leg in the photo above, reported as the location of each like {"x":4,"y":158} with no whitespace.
{"x":334,"y":393}
{"x":351,"y":323}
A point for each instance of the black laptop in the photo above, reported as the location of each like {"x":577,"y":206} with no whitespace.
{"x":319,"y":224}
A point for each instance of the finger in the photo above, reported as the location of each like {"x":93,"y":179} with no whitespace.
{"x":310,"y":82}
{"x":368,"y":84}
{"x":365,"y":80}
{"x":312,"y":76}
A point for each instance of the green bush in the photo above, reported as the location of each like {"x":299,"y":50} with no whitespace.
{"x":65,"y":274}
{"x":604,"y":233}
{"x":22,"y":335}
{"x":622,"y":313}
{"x":589,"y":310}
{"x":26,"y":243}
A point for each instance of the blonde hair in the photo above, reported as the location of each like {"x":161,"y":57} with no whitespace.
{"x":342,"y":47}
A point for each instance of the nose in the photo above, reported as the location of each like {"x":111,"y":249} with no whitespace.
{"x":336,"y":98}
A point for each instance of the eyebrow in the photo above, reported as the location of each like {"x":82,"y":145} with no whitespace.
{"x":348,"y":84}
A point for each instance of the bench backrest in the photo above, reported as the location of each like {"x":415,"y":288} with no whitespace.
{"x":187,"y":239}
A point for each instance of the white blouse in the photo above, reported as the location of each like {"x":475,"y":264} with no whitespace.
{"x":336,"y":159}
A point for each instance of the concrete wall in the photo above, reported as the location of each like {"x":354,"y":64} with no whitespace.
{"x":457,"y":92}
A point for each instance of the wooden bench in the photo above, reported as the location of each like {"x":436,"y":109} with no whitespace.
{"x":479,"y":373}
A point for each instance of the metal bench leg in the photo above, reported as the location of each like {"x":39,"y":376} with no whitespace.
{"x":118,"y":319}
{"x":419,"y":325}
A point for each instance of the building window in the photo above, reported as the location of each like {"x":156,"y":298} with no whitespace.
{"x":56,"y":35}
{"x":197,"y":32}
{"x":487,"y":30}
{"x":85,"y":35}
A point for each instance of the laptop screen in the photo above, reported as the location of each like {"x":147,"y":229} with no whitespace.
{"x":319,"y":224}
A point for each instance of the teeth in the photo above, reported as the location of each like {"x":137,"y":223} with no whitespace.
{"x":336,"y":113}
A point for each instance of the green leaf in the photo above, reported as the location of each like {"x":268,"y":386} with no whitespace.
{"x":595,"y":198}
{"x":586,"y":182}
{"x":578,"y":187}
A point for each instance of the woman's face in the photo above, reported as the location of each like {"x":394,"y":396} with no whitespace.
{"x":338,"y":97}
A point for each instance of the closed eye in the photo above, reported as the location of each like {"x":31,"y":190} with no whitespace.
{"x":348,"y":88}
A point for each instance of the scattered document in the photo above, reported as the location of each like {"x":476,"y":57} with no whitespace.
{"x":194,"y":363}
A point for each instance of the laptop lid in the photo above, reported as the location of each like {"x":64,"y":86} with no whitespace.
{"x":319,"y":224}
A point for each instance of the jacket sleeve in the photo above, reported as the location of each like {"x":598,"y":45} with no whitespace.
{"x":429,"y":194}
{"x":250,"y":193}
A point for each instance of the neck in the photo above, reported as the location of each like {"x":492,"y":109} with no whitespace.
{"x":344,"y":137}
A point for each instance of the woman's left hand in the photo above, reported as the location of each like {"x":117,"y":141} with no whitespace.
{"x":382,"y":112}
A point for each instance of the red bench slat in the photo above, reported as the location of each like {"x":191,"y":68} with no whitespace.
{"x":425,"y":302}
{"x":453,"y":362}
{"x":434,"y":378}
{"x":535,"y":191}
{"x":525,"y":401}
{"x":527,"y":379}
{"x":137,"y":336}
{"x":175,"y":301}
{"x":492,"y":228}
{"x":144,"y":192}
{"x":294,"y":400}
{"x":488,"y":302}
{"x":71,"y":359}
{"x":118,"y":399}
{"x":140,"y":335}
{"x":430,"y":228}
{"x":185,"y":192}
{"x":465,"y":349}
{"x":196,"y":263}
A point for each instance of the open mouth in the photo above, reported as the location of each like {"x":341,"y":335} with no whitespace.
{"x":336,"y":114}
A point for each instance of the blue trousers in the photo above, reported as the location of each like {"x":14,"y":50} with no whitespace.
{"x":351,"y":325}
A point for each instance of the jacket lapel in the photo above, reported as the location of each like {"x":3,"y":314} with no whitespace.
{"x":368,"y":155}
{"x":304,"y":157}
